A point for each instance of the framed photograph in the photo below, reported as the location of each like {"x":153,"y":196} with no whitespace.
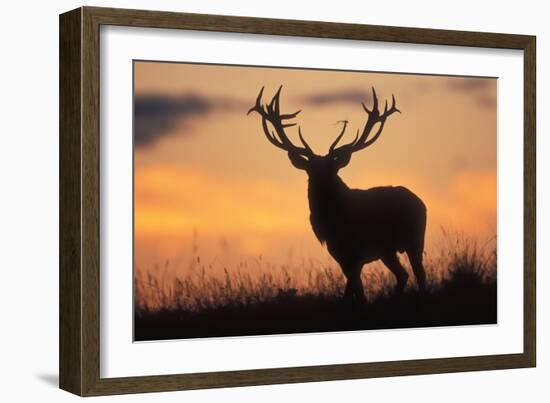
{"x":249,"y":201}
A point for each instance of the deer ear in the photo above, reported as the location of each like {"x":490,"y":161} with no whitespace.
{"x":297,"y":160}
{"x":342,"y":160}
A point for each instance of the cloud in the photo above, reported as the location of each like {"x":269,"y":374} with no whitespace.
{"x":176,"y":199}
{"x":469,"y":84}
{"x":156,"y":115}
{"x":340,"y":96}
{"x":482,"y":90}
{"x":487,"y":101}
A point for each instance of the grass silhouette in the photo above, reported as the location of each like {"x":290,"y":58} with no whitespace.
{"x":461,"y":290}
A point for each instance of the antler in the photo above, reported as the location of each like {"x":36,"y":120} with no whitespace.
{"x":271,"y":113}
{"x":374,"y":116}
{"x":335,"y":142}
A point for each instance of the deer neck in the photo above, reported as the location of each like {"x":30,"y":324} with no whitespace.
{"x":326,"y":195}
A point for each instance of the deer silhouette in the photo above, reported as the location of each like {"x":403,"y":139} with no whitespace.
{"x":357,"y":226}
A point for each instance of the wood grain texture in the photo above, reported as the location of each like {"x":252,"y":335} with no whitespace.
{"x":80,"y":200}
{"x":316,"y":29}
{"x":90,"y":202}
{"x":530,"y":201}
{"x":70,"y":314}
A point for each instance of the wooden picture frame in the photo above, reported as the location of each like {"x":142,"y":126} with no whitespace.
{"x":79,"y":346}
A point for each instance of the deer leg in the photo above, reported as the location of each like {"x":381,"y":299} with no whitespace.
{"x":354,"y":288}
{"x":392,"y":262}
{"x":415,"y":257}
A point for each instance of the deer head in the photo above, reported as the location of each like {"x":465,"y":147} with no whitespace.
{"x":303,"y":157}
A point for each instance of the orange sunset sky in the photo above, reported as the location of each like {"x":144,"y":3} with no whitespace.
{"x":208,"y":183}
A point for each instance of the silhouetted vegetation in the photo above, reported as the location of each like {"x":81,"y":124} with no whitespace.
{"x":461,"y":290}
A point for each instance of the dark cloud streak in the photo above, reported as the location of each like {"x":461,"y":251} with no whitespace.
{"x":469,"y":84}
{"x":343,"y":96}
{"x":156,"y":116}
{"x":481,"y":89}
